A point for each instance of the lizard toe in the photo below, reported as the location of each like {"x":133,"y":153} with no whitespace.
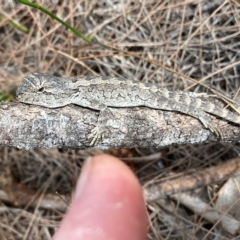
{"x":96,"y":135}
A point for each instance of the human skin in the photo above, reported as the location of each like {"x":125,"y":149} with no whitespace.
{"x":108,"y":204}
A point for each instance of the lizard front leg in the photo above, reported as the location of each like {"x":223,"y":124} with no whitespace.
{"x":83,"y":100}
{"x":97,"y":133}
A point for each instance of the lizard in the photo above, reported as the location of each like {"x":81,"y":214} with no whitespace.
{"x":101,"y":92}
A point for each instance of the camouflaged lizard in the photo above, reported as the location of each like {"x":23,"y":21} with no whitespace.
{"x":99,"y":93}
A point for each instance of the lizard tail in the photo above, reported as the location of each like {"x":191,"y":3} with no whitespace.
{"x":220,"y":111}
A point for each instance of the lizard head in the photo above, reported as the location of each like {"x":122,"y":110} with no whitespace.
{"x":43,"y":90}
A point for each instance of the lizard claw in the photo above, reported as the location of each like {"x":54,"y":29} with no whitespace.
{"x":216,"y":131}
{"x":96,"y":135}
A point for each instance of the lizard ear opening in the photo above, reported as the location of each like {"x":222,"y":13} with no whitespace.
{"x":41,"y":89}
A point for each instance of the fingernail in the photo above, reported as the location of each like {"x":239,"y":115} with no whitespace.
{"x":84,"y":176}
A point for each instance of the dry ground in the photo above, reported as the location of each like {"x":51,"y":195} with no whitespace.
{"x":198,"y":38}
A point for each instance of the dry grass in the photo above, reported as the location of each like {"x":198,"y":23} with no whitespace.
{"x":198,"y":38}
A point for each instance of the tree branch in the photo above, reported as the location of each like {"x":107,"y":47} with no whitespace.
{"x":29,"y":126}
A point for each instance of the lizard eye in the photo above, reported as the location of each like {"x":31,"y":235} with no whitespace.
{"x":41,"y":89}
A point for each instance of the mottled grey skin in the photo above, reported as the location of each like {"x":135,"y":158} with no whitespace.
{"x":101,"y":92}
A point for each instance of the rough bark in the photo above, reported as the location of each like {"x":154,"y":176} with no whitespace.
{"x":28,"y":126}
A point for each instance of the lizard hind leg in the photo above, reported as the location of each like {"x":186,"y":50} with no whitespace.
{"x":211,"y":127}
{"x":205,"y":119}
{"x":199,"y":114}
